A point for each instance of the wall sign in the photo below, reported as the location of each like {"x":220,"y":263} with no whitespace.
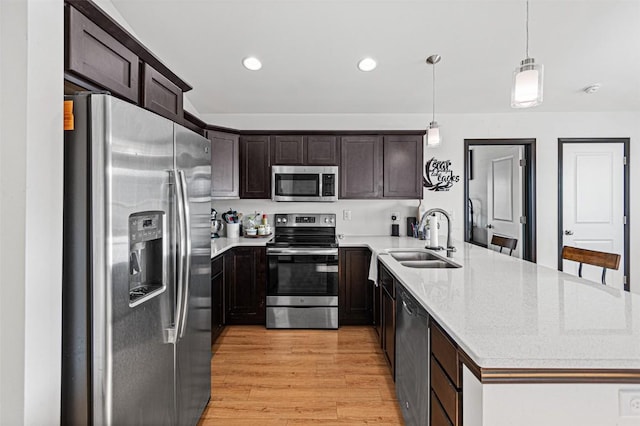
{"x":438,"y":175}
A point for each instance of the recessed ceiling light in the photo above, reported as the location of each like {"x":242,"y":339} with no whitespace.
{"x":367,"y":64}
{"x":252,"y":63}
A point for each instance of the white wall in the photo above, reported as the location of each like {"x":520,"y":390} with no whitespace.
{"x":31,"y":165}
{"x":546,"y":128}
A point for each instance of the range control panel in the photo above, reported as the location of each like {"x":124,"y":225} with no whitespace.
{"x":305,"y":219}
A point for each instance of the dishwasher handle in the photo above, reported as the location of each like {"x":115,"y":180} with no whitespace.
{"x":405,"y":305}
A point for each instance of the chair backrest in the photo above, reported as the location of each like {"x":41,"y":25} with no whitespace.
{"x":592,"y":257}
{"x":504,"y":242}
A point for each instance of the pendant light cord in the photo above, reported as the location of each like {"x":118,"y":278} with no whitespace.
{"x":527,"y":29}
{"x":434,"y":94}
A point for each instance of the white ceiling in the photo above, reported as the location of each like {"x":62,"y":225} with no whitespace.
{"x":310,"y":48}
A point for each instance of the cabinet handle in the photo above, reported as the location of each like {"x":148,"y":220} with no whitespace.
{"x":568,"y":232}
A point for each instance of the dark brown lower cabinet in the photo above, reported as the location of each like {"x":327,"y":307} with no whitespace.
{"x":438,"y":416}
{"x":377,"y":310}
{"x":387,"y":282}
{"x":355,"y":291}
{"x":446,"y":379}
{"x":217,"y":297}
{"x":245,"y":286}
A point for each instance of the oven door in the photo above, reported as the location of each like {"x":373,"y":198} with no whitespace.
{"x":302,"y":277}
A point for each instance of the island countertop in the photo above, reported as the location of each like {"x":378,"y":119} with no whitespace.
{"x":506,"y":313}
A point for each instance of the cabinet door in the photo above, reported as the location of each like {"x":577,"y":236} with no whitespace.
{"x":377,"y":311}
{"x":161,"y":96}
{"x":321,"y":150}
{"x":361,"y":167}
{"x":255,"y":176}
{"x":402,"y":157}
{"x":389,"y":333}
{"x":288,"y":150}
{"x":245,"y":285}
{"x":217,"y":292}
{"x":355,"y":290}
{"x":95,"y":55}
{"x":225,"y":165}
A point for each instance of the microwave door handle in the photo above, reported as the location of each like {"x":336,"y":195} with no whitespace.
{"x":186,"y":280}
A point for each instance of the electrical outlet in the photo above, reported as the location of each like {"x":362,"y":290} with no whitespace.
{"x":346,"y":214}
{"x":629,"y":402}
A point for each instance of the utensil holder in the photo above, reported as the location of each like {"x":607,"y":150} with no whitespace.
{"x":233,"y":231}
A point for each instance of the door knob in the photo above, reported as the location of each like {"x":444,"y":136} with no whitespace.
{"x":568,"y":232}
{"x":490,"y":226}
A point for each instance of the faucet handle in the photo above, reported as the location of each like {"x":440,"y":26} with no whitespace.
{"x":451,"y":250}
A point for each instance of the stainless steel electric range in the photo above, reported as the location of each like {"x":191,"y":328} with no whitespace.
{"x":302,"y":288}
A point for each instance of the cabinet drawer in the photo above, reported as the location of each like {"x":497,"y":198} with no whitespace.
{"x":446,"y":353}
{"x":95,"y":55}
{"x":386,"y":281}
{"x":438,"y":416}
{"x":216,"y":266}
{"x":449,"y":397}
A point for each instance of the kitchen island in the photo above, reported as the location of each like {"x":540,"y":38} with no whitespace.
{"x":536,"y":346}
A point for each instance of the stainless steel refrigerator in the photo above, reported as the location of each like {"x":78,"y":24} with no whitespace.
{"x":136,"y":267}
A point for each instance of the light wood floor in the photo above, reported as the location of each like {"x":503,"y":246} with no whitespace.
{"x":300,"y":377}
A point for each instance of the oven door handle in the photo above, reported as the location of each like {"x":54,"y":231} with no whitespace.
{"x":301,"y":252}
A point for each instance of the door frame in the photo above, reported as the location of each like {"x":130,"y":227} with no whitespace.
{"x":529,"y":251}
{"x":626,"y":182}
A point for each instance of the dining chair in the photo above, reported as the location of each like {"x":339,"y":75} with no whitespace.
{"x":504,"y":242}
{"x":592,"y":257}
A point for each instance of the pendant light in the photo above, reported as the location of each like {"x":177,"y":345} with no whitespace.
{"x":433,"y":131}
{"x":526,"y":90}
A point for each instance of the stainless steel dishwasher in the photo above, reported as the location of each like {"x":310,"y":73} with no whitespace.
{"x":412,"y":359}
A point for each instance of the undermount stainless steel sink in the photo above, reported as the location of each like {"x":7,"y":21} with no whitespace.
{"x":413,"y":255}
{"x":430,"y":264}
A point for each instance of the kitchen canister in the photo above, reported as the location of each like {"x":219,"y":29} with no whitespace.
{"x":233,"y":230}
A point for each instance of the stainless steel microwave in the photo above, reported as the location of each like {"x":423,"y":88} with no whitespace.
{"x":304,"y":183}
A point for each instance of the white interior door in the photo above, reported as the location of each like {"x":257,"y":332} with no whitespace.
{"x":504,"y":207}
{"x":593,"y":204}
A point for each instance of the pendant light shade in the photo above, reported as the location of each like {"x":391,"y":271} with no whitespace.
{"x":527,"y":85}
{"x":433,"y":134}
{"x":526,"y":88}
{"x":433,"y":131}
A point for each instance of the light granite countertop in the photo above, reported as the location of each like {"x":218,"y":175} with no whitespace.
{"x":508,"y":313}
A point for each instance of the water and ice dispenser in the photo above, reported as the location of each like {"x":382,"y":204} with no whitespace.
{"x":146,"y":255}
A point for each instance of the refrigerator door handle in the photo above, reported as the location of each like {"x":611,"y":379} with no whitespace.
{"x":175,"y":330}
{"x":186,"y":280}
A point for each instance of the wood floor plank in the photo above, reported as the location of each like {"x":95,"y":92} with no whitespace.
{"x":300,"y":377}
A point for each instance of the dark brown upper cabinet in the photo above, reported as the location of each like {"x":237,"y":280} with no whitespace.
{"x":95,"y":55}
{"x":161,"y":96}
{"x":321,"y":150}
{"x":402,"y":156}
{"x":288,"y":150}
{"x":225,"y":165}
{"x":255,"y":176}
{"x":361,"y":167}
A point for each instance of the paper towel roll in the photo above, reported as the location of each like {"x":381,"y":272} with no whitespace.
{"x":434,"y":231}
